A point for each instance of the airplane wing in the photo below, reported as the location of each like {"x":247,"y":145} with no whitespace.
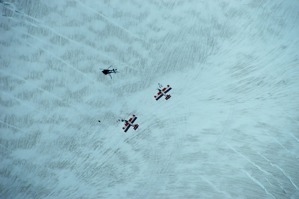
{"x":167,"y":89}
{"x":134,"y":119}
{"x":159,"y":96}
{"x":127,"y":128}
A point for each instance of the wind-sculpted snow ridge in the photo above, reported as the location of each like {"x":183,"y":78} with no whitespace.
{"x":229,"y":130}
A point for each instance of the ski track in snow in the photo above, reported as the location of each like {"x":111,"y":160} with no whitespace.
{"x":42,"y":24}
{"x":228,"y":131}
{"x":274,"y":165}
{"x":107,"y":19}
{"x":259,"y":184}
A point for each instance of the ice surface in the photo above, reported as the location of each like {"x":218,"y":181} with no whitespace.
{"x":230,"y":129}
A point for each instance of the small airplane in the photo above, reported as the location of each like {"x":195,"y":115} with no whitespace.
{"x":129,"y":123}
{"x":162,"y":92}
{"x":108,"y":71}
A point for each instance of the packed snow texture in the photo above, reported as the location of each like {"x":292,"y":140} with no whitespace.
{"x":230,"y":129}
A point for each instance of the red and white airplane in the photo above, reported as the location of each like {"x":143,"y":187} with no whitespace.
{"x":162,"y":92}
{"x":129,"y":123}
